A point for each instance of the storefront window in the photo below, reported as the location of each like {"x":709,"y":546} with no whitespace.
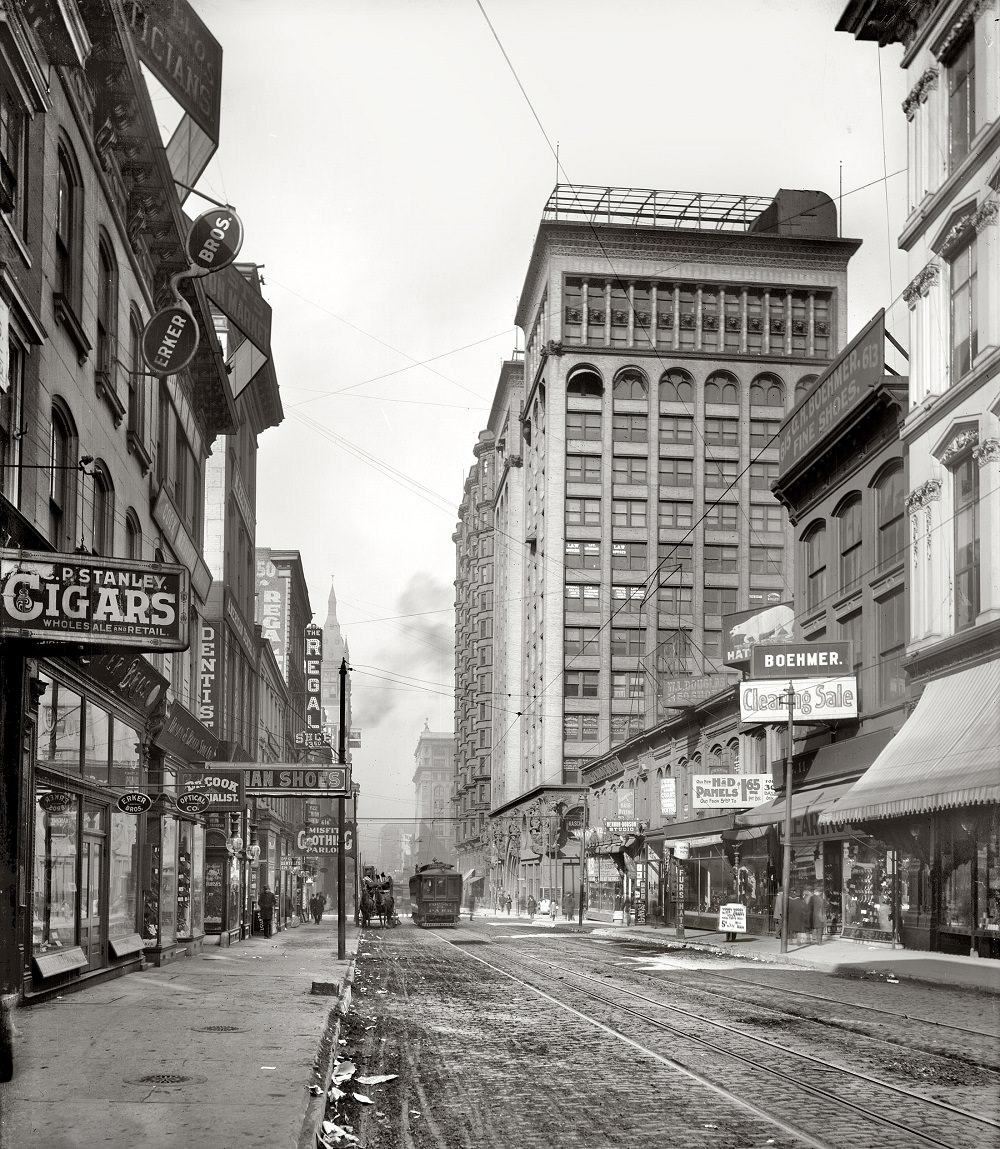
{"x":215,"y":893}
{"x":96,"y":739}
{"x":123,"y":875}
{"x":59,"y":717}
{"x":604,"y":885}
{"x":988,"y":877}
{"x":125,"y":758}
{"x":55,"y":893}
{"x":197,"y":881}
{"x":234,"y":919}
{"x":867,"y":886}
{"x":151,"y":892}
{"x":184,"y":852}
{"x":168,"y":881}
{"x":957,"y":853}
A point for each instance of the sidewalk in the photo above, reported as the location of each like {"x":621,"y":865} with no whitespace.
{"x":218,"y":1049}
{"x":834,"y":956}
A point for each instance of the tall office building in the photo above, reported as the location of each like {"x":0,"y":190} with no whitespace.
{"x":667,"y":334}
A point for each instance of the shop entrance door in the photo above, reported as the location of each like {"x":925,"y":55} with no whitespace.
{"x":93,"y":910}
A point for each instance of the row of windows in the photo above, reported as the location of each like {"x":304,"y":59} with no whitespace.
{"x":843,"y":544}
{"x":672,"y":599}
{"x":633,"y":470}
{"x":584,"y":727}
{"x":82,"y":496}
{"x":586,"y":426}
{"x":692,"y":317}
{"x":717,"y":558}
{"x":680,"y":512}
{"x":677,"y":385}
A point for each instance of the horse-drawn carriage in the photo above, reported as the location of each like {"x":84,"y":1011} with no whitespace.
{"x":377,"y":900}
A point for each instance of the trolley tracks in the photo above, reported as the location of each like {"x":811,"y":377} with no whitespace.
{"x":770,"y":1076}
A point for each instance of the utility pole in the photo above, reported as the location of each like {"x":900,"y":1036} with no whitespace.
{"x":341,"y":868}
{"x":786,"y":859}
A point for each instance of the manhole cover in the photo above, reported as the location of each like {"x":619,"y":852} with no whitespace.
{"x":218,"y":1029}
{"x":165,"y":1079}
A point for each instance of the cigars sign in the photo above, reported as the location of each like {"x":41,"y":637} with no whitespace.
{"x":93,"y":601}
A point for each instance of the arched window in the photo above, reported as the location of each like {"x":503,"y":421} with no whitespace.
{"x":101,"y":527}
{"x":890,"y":523}
{"x":136,"y":378}
{"x":630,"y":384}
{"x":721,"y":387}
{"x":733,"y":756}
{"x":585,"y":384}
{"x":107,"y":308}
{"x":767,"y":391}
{"x":849,"y":524}
{"x":69,"y":229}
{"x":62,"y":479}
{"x":676,"y":386}
{"x":133,"y":535}
{"x":814,"y":547}
{"x":804,"y":386}
{"x":715,"y":762}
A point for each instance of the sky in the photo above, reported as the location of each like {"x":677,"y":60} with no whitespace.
{"x":390,"y":161}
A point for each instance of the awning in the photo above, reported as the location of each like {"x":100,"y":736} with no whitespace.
{"x":468,"y":875}
{"x":847,"y":759}
{"x":803,"y":802}
{"x":947,"y":754}
{"x":691,"y":830}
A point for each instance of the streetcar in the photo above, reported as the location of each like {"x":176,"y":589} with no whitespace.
{"x":435,"y":894}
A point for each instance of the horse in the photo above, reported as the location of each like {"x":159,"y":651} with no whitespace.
{"x":380,"y":906}
{"x":367,"y":908}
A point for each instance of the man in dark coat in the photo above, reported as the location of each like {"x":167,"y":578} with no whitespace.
{"x":266,"y":903}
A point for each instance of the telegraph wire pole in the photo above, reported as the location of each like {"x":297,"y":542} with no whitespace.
{"x":786,"y":859}
{"x":341,"y":868}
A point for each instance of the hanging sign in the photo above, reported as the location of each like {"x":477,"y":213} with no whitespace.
{"x":814,"y":699}
{"x":90,"y":600}
{"x":134,"y":803}
{"x":193,"y":802}
{"x":802,"y":659}
{"x":214,"y":239}
{"x":169,"y":340}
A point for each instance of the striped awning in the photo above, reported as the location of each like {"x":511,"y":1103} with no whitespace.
{"x":947,"y":754}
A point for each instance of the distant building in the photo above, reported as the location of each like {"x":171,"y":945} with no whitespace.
{"x":667,"y":334}
{"x":434,"y":766}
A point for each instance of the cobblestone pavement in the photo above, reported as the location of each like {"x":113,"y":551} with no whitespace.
{"x":484,"y":1059}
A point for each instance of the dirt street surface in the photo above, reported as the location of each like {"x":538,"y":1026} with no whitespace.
{"x":498,"y":1034}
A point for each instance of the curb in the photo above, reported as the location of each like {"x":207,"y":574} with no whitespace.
{"x":323,"y":1065}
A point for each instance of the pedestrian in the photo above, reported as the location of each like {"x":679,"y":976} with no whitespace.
{"x":796,"y":910}
{"x":266,"y":903}
{"x":779,"y":900}
{"x":532,"y":906}
{"x":553,"y":907}
{"x":507,"y":903}
{"x":817,"y":914}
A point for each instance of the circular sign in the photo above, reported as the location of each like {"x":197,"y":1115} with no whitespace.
{"x":215,"y":239}
{"x":192,"y":802}
{"x":169,"y":340}
{"x":134,"y":803}
{"x":682,"y":851}
{"x":56,"y":801}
